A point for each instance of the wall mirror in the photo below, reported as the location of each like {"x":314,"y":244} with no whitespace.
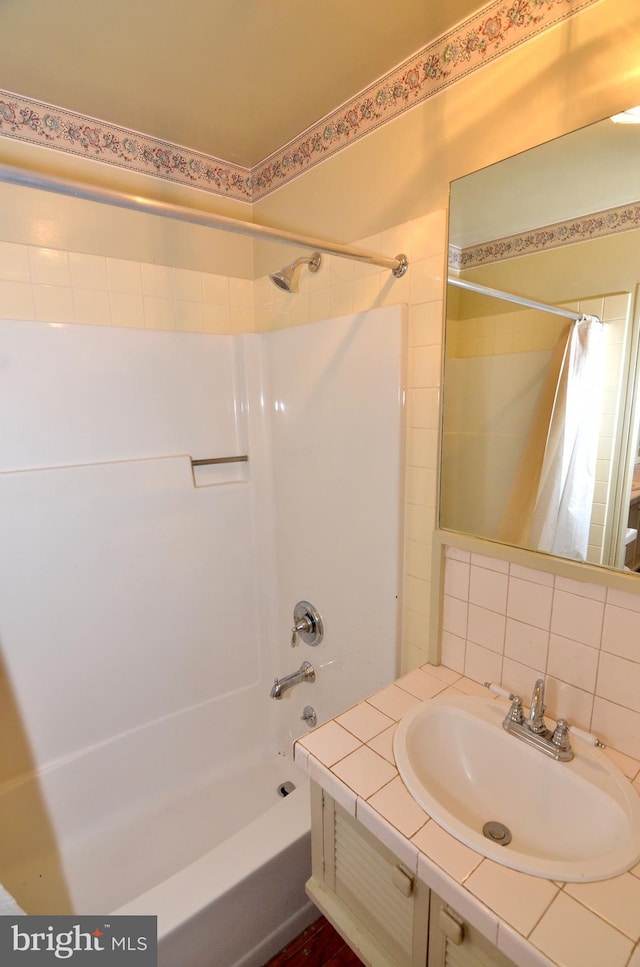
{"x":540,"y":412}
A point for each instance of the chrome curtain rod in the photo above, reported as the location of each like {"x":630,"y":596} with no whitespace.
{"x":107,"y":196}
{"x":508,"y":297}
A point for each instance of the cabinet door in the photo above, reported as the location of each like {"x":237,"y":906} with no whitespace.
{"x":373,"y":900}
{"x":453,"y":943}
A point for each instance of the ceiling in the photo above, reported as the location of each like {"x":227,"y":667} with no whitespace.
{"x":236,"y":80}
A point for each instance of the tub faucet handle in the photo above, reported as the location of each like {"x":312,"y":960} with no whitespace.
{"x":307,"y":624}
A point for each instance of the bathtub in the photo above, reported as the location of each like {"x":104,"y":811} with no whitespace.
{"x":242,"y":901}
{"x":132,"y":827}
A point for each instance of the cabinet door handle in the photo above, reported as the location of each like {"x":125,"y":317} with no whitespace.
{"x":453,"y":929}
{"x":402,"y":881}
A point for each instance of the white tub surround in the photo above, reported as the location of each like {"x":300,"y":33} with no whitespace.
{"x":147,"y":604}
{"x":533,"y":921}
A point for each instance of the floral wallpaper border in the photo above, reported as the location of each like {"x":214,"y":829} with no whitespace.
{"x":611,"y":221}
{"x":491,"y":32}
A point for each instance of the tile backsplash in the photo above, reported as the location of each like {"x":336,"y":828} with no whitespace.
{"x":510,"y":624}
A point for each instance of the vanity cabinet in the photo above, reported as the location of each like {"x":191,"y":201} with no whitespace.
{"x":386,"y":914}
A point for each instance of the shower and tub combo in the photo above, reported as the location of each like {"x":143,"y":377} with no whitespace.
{"x":151,"y":500}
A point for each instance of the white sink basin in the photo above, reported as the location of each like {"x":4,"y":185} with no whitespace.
{"x":571,"y":821}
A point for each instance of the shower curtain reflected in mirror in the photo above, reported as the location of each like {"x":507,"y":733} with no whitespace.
{"x":550,"y":504}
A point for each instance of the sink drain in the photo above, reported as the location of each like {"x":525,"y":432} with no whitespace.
{"x":497,"y":832}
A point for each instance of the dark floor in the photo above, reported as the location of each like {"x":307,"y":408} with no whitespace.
{"x":318,"y":946}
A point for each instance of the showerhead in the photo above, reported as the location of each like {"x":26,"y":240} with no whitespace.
{"x":287,"y":278}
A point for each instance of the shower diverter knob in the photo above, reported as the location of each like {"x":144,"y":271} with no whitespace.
{"x":307,"y":624}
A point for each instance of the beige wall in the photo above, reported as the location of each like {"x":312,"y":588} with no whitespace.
{"x":389,"y":190}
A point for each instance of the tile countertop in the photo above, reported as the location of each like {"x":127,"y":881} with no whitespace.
{"x":535,"y":922}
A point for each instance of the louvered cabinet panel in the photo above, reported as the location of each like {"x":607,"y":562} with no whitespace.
{"x":366,"y":880}
{"x":453,"y":943}
{"x":375,"y":903}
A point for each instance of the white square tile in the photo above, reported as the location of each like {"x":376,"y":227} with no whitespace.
{"x":364,"y":771}
{"x":399,"y":845}
{"x":520,"y":679}
{"x":14,"y":262}
{"x":619,"y":681}
{"x":492,"y":563}
{"x":127,"y":309}
{"x":453,"y":651}
{"x":394,"y":701}
{"x":625,"y":763}
{"x":566,"y":701}
{"x":241,"y":293}
{"x":482,"y":665}
{"x":530,"y":603}
{"x":488,"y":588}
{"x":53,"y":303}
{"x":531,"y":575}
{"x":516,"y":897}
{"x":456,"y":859}
{"x":573,"y":662}
{"x":572,"y":936}
{"x":621,"y":631}
{"x":421,"y":684}
{"x":124,"y":276}
{"x":189,"y":316}
{"x":525,"y":644}
{"x":468,"y":907}
{"x":577,"y":618}
{"x":337,"y":790}
{"x":520,"y":951}
{"x":617,"y":726}
{"x":616,"y":900}
{"x":49,"y":266}
{"x":215,"y":289}
{"x":329,"y":743}
{"x":624,"y":599}
{"x":455,"y":616}
{"x":441,"y":671}
{"x":396,"y":804}
{"x":187,"y":285}
{"x":486,"y":628}
{"x":88,"y":271}
{"x":456,"y":579}
{"x":16,"y":300}
{"x":157,"y":280}
{"x":364,"y":721}
{"x":158,"y":313}
{"x":469,"y":686}
{"x":584,"y":589}
{"x":456,"y":554}
{"x":383,"y":744}
{"x":92,"y":307}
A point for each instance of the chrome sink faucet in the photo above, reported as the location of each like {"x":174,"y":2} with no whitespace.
{"x":535,"y":722}
{"x":533,"y":729}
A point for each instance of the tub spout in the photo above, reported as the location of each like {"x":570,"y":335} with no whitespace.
{"x":305,"y":673}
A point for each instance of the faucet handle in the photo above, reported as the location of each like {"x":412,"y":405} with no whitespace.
{"x":307,"y":624}
{"x":587,"y":737}
{"x":497,"y":690}
{"x":560,"y":737}
{"x":515,"y":713}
